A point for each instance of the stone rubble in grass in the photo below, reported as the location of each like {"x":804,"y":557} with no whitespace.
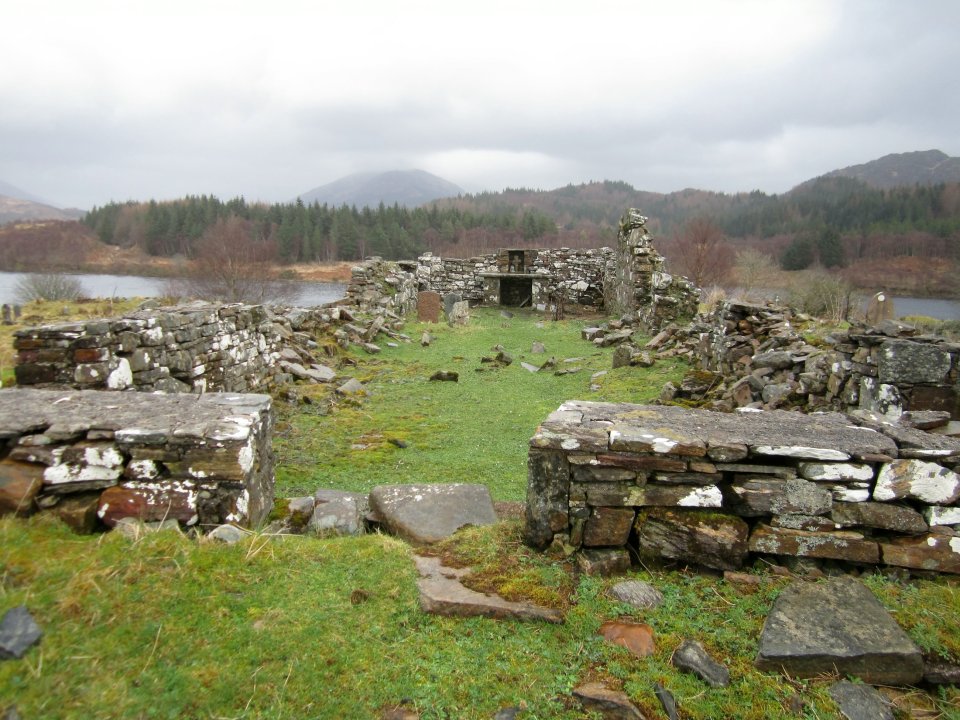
{"x":693,"y":658}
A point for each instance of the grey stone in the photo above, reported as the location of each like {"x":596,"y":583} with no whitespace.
{"x":860,"y":702}
{"x":639,"y":594}
{"x":837,"y":626}
{"x":449,"y":300}
{"x":18,"y":633}
{"x":442,"y":593}
{"x":885,"y":516}
{"x":538,"y":348}
{"x":338,"y":512}
{"x":903,"y":361}
{"x":352,"y":387}
{"x":428,"y":513}
{"x":667,"y":701}
{"x":603,"y":562}
{"x":459,"y":314}
{"x":228,"y":534}
{"x":778,"y":360}
{"x":548,"y":496}
{"x":692,"y":657}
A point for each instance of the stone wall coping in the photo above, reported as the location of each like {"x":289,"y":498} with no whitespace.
{"x":136,"y":416}
{"x":585,"y":426}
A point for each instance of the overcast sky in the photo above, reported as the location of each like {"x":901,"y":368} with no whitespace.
{"x":114,"y":100}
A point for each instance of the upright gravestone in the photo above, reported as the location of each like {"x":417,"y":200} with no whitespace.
{"x":449,"y":300}
{"x":879,"y":308}
{"x":459,"y":314}
{"x":428,"y":306}
{"x":7,"y":314}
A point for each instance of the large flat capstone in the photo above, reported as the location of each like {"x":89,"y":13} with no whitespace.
{"x":426,"y":514}
{"x":837,"y":626}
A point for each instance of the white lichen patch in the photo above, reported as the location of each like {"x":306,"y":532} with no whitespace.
{"x":832,"y":472}
{"x":121,"y":377}
{"x":245,"y":457}
{"x":955,"y":545}
{"x":709,"y":496}
{"x":801,"y":451}
{"x":570,"y":444}
{"x":108,"y":457}
{"x":938,"y":515}
{"x":241,"y":508}
{"x":143,"y":469}
{"x":71,"y":473}
{"x":919,"y":480}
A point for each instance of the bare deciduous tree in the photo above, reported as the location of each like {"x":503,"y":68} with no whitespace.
{"x":702,"y":253}
{"x":231,"y":263}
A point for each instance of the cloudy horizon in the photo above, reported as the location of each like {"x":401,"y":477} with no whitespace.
{"x":110,"y":100}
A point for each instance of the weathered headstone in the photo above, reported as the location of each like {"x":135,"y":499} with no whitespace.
{"x":459,"y":314}
{"x":428,"y":306}
{"x":879,"y":308}
{"x":837,"y":626}
{"x":449,"y":300}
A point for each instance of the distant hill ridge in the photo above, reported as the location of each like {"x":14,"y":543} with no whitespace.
{"x":410,"y":188}
{"x":924,"y":167}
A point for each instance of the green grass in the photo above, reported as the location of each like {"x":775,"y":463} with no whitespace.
{"x":475,"y":430}
{"x":168,"y":627}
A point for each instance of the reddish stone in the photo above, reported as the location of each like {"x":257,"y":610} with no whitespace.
{"x":90,"y":355}
{"x":927,"y":552}
{"x":608,"y":526}
{"x":635,"y":637}
{"x":149,"y":502}
{"x":19,"y":485}
{"x":428,"y":306}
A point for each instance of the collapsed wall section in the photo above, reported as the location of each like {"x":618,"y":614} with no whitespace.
{"x":702,"y":488}
{"x":94,"y":458}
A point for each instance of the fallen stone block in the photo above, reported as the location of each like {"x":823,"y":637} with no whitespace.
{"x":442,"y":593}
{"x":693,"y":658}
{"x":837,"y":626}
{"x":425,"y":514}
{"x":610,"y":704}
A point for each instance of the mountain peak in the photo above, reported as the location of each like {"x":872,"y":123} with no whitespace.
{"x":403,"y":187}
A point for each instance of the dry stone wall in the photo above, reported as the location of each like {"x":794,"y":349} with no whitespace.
{"x":190,"y":348}
{"x":94,"y":458}
{"x":711,"y":489}
{"x":628,"y":281}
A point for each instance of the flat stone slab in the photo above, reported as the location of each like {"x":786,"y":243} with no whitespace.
{"x":684,"y":432}
{"x":442,"y":593}
{"x":426,"y":514}
{"x":837,"y":626}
